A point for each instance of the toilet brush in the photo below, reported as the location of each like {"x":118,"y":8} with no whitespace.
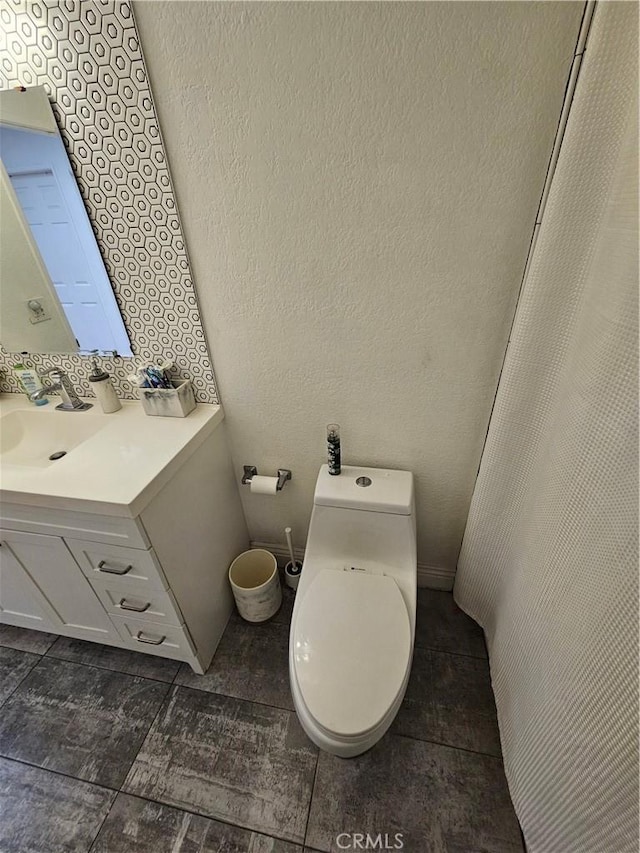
{"x":294,"y":567}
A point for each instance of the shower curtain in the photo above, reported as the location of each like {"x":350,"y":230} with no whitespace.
{"x":549,"y":561}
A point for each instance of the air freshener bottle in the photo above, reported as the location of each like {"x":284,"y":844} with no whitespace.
{"x":333,"y":448}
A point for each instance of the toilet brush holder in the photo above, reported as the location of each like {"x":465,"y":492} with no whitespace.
{"x":292,"y":573}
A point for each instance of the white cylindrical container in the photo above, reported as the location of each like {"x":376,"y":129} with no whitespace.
{"x":292,"y":573}
{"x":255,"y":583}
{"x":102,"y":387}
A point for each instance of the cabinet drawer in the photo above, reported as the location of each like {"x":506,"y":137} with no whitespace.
{"x":138,"y":601}
{"x":168,"y":641}
{"x":128,"y":565}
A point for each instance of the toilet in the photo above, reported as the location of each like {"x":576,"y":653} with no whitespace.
{"x":353,"y":622}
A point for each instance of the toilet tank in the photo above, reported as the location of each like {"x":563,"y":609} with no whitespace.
{"x":367,"y":527}
{"x":371,"y":489}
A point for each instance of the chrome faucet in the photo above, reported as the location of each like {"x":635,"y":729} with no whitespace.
{"x":61,"y":382}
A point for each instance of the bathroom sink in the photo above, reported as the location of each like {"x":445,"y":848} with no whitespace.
{"x":29,"y":437}
{"x":113,"y":464}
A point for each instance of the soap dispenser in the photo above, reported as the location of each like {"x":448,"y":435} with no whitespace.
{"x":103,"y":389}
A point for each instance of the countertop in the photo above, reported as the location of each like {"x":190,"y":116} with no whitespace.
{"x":118,"y":470}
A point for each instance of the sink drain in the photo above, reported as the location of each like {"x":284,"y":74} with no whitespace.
{"x":58,"y":455}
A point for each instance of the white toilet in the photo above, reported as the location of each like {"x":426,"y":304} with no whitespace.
{"x":353,"y":623}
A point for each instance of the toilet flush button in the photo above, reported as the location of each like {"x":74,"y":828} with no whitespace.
{"x":363,"y":481}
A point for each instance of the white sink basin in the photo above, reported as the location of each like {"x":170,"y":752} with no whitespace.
{"x":29,"y":437}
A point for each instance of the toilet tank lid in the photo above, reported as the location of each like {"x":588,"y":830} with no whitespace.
{"x":387,"y":491}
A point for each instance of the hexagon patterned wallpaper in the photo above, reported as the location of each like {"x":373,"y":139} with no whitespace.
{"x":87,"y":55}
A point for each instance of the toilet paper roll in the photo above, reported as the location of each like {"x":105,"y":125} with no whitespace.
{"x":264,"y":485}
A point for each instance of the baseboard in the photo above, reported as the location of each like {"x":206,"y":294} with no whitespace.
{"x":434,"y":577}
{"x":279,"y":551}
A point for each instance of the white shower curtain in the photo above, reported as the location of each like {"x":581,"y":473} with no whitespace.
{"x":549,"y":562}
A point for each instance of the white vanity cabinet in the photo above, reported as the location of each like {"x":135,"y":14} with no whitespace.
{"x":154,"y":582}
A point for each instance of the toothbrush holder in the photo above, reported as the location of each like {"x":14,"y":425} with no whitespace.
{"x":176,"y":402}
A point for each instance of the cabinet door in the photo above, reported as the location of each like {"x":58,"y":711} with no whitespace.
{"x":21,"y":602}
{"x":54,"y":576}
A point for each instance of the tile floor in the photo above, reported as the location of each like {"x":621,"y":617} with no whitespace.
{"x":108,"y":751}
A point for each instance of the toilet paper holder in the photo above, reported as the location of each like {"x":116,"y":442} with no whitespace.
{"x":251,"y":471}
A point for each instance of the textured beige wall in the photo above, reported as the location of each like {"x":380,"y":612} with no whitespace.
{"x":358,"y":185}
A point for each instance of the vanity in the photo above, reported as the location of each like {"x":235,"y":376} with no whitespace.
{"x":125,"y":539}
{"x":115,"y":528}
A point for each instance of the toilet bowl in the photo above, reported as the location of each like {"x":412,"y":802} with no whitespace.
{"x":353,"y":622}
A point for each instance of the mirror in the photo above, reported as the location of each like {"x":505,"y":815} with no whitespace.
{"x":55,"y":294}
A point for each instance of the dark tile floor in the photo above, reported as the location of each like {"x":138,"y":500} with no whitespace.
{"x":108,"y":751}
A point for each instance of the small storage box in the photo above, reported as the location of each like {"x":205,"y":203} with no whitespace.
{"x":174,"y":402}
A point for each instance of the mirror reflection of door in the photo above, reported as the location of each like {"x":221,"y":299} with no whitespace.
{"x":24,"y":280}
{"x":40,"y":174}
{"x":47,"y":212}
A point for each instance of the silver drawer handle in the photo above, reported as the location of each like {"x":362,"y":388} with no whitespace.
{"x":142,"y":639}
{"x":126,"y":606}
{"x":103,"y":566}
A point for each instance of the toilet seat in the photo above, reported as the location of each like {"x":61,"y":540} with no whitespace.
{"x":351,"y":649}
